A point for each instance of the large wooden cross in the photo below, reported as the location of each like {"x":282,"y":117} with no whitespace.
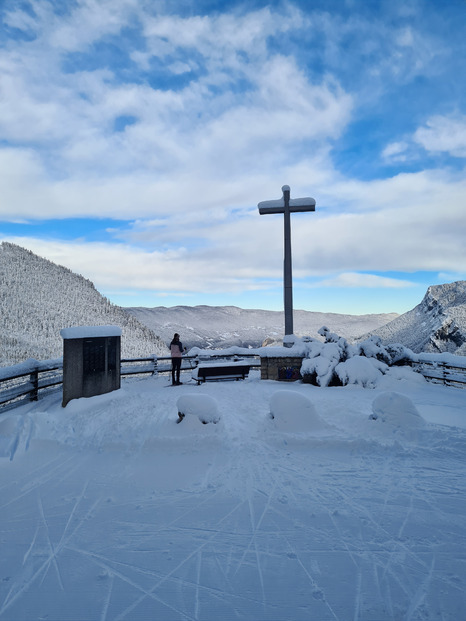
{"x":286,"y":206}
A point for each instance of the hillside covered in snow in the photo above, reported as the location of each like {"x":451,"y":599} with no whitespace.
{"x":437,"y":324}
{"x":226,"y":326}
{"x":38,"y":298}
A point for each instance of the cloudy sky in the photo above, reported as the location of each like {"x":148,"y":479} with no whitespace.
{"x":138,"y":136}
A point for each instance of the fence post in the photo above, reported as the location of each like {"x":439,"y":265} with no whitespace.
{"x":445,"y":373}
{"x":154,"y":359}
{"x":34,"y":377}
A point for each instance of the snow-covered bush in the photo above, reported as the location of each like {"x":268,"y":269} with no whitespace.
{"x":335,"y":362}
{"x":318,"y":367}
{"x":390,"y":354}
{"x":373,"y":348}
{"x":360,"y":370}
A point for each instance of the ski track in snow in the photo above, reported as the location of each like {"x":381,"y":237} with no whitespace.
{"x":114,"y":512}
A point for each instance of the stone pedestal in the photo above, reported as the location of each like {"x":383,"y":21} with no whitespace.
{"x":282,"y":369}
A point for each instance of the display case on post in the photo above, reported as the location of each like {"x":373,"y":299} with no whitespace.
{"x":91,"y":361}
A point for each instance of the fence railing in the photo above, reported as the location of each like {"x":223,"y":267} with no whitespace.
{"x":441,"y":373}
{"x":23,"y":383}
{"x":20,"y":386}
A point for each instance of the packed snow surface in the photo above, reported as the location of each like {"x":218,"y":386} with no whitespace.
{"x":348,"y":504}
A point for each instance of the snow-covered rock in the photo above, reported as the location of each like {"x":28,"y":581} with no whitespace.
{"x":396,"y":414}
{"x":294,"y":412}
{"x":203,"y":407}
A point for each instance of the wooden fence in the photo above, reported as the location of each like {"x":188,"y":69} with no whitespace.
{"x":23,"y":383}
{"x":18,"y":386}
{"x":442,"y":373}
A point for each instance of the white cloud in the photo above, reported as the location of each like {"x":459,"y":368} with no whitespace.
{"x":119,"y":267}
{"x":396,"y":151}
{"x":209,"y":134}
{"x":245,"y":118}
{"x":220,"y":39}
{"x":444,"y":134}
{"x":366,"y":281}
{"x":451,"y":276}
{"x":207,"y":248}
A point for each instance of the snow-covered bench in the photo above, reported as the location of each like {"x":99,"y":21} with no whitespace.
{"x":212,"y":371}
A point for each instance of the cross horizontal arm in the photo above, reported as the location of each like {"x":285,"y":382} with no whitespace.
{"x":281,"y":209}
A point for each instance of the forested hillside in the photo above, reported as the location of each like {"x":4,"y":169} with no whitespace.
{"x":38,"y":298}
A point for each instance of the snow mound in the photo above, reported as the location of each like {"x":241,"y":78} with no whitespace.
{"x":204,"y":407}
{"x":394,"y":375}
{"x":294,"y":412}
{"x":398,"y":413}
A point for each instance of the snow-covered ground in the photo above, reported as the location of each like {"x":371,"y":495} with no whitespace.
{"x":299,"y":503}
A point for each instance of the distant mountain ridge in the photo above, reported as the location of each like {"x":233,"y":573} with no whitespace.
{"x":38,"y":298}
{"x":223,"y":326}
{"x":437,"y":324}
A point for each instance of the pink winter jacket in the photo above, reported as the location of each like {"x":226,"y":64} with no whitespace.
{"x":175,"y":350}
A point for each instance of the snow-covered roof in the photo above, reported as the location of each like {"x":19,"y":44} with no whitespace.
{"x":85,"y":332}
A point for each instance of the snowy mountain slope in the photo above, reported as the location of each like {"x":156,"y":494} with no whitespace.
{"x":224,"y":326}
{"x":437,"y":324}
{"x":39,"y":298}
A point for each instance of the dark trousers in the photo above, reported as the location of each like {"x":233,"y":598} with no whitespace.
{"x":176,"y":366}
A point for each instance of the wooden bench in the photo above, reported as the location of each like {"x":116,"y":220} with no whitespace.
{"x":221,"y":371}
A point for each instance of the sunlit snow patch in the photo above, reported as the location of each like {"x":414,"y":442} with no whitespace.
{"x":294,"y":412}
{"x":201,"y":407}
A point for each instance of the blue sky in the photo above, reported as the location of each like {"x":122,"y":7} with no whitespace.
{"x":137,"y":137}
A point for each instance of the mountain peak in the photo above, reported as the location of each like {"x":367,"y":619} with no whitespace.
{"x":437,"y":324}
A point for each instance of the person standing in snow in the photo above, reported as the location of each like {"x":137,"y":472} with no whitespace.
{"x":176,"y":350}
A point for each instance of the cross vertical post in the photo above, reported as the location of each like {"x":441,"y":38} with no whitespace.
{"x":286,"y":206}
{"x":287,"y":264}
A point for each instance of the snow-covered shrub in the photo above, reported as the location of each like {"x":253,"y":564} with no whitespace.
{"x":204,"y":407}
{"x":319,"y":367}
{"x":345,"y":347}
{"x":322,"y":358}
{"x":335,"y":362}
{"x":399,"y":354}
{"x":360,"y":370}
{"x":373,"y":348}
